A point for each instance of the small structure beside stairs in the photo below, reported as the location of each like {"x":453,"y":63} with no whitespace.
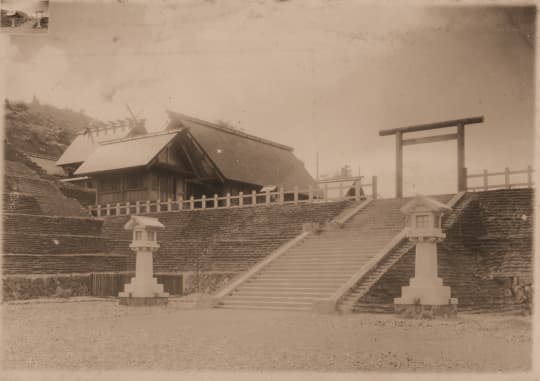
{"x":426,"y":293}
{"x":143,"y":288}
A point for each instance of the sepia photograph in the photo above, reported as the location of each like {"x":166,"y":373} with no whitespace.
{"x":24,"y":16}
{"x":326,"y":187}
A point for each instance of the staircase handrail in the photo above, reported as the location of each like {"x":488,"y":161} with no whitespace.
{"x":230,"y":287}
{"x":235,"y":283}
{"x":395,"y":241}
{"x":351,"y":212}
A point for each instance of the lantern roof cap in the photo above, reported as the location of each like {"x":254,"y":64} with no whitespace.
{"x":144,"y":222}
{"x":423,"y":202}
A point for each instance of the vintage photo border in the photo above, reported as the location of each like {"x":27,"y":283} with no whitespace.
{"x":311,"y":376}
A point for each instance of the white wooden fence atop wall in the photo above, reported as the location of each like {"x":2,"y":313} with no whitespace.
{"x":507,"y":179}
{"x":326,"y":191}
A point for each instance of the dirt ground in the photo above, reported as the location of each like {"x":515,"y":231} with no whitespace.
{"x":101,"y":335}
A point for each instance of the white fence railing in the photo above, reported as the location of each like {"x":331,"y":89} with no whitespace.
{"x":506,"y":179}
{"x":326,"y":191}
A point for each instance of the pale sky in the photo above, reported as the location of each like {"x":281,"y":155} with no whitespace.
{"x":320,"y":76}
{"x":28,"y":6}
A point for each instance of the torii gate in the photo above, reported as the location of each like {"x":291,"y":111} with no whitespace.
{"x":460,"y":136}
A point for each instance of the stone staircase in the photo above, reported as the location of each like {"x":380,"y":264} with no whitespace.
{"x":314,"y":269}
{"x":351,"y":301}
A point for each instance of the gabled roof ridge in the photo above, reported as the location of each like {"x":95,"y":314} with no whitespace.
{"x":102,"y":126}
{"x":231,"y":131}
{"x":108,"y":156}
{"x":153,"y":134}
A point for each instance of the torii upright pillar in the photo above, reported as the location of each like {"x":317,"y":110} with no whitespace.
{"x":459,"y":136}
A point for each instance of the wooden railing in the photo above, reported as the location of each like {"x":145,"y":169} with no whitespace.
{"x":326,"y":191}
{"x":506,"y":179}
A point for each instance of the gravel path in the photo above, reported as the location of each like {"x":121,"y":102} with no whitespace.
{"x":102,"y":335}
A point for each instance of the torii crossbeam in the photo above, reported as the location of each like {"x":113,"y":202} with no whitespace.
{"x":460,"y":136}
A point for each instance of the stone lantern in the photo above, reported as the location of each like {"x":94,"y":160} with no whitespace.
{"x":425,"y":290}
{"x":143,"y":288}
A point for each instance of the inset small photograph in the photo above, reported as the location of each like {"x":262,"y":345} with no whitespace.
{"x":24,"y":16}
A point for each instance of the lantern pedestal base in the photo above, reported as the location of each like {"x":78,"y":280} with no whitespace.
{"x":425,"y":298}
{"x":427,"y":291}
{"x":425,"y":311}
{"x":143,"y":289}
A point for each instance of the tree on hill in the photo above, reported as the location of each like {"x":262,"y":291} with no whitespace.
{"x":40,"y":128}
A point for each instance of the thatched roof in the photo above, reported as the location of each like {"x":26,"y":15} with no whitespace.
{"x":243,"y":157}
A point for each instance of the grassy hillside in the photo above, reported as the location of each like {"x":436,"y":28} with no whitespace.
{"x":43,"y":129}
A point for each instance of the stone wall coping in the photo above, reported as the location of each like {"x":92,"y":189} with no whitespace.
{"x":66,"y":255}
{"x":54,"y":217}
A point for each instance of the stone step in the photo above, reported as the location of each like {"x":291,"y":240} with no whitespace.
{"x":316,"y":273}
{"x":335,"y":249}
{"x":331,"y":252}
{"x":308,"y":276}
{"x":290,"y":293}
{"x":272,"y":298}
{"x":336,"y":259}
{"x":322,"y":285}
{"x":269,"y":303}
{"x":354,"y":236}
{"x":265,"y":307}
{"x":317,"y":265}
{"x":286,"y":289}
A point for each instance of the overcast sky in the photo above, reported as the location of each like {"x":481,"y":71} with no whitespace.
{"x":321,"y":76}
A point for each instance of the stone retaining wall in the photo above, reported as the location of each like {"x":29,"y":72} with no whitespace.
{"x":223,"y":240}
{"x":488,"y":249}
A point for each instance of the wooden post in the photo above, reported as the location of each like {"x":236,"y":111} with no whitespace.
{"x":253,"y":198}
{"x":192,"y":202}
{"x":507,"y":178}
{"x":99,"y":210}
{"x":203,"y":202}
{"x":485,"y":179}
{"x":295,"y":195}
{"x":117,"y":208}
{"x":137,"y":207}
{"x":128,"y":208}
{"x":216,"y":201}
{"x":374,"y":189}
{"x":228,"y":200}
{"x":529,"y":176}
{"x":108,"y":208}
{"x":180,"y":203}
{"x":399,"y":165}
{"x":147,"y":206}
{"x":169,"y":204}
{"x":462,"y":176}
{"x":241,"y":199}
{"x":267,"y":197}
{"x":281,"y":195}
